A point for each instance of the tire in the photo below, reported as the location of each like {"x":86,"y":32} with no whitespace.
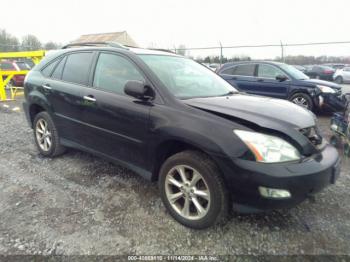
{"x":339,"y":80}
{"x":303,"y":100}
{"x":215,"y":203}
{"x":44,"y":130}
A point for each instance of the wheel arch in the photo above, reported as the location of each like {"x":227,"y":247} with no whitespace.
{"x":170,"y":147}
{"x":37,"y":103}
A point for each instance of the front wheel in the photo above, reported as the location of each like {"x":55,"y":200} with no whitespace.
{"x":46,"y":135}
{"x":193,"y":190}
{"x":339,"y":80}
{"x":302,"y":100}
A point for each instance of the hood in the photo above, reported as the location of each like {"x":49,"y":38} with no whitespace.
{"x":263,"y":111}
{"x":269,"y":113}
{"x":322,"y":82}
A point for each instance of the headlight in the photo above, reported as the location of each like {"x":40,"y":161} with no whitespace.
{"x":326,"y":89}
{"x":268,"y":149}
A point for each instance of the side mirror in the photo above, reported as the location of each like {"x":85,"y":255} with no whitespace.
{"x":281,"y":78}
{"x":138,"y":90}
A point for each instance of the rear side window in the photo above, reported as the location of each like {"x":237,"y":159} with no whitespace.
{"x":57,"y":74}
{"x":244,"y":70}
{"x":113,"y":71}
{"x":48,"y":69}
{"x":77,"y":67}
{"x":240,"y":70}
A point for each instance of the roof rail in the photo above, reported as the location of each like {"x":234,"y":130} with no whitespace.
{"x":111,"y":44}
{"x":162,"y":49}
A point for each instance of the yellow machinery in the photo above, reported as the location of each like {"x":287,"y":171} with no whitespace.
{"x":5,"y":76}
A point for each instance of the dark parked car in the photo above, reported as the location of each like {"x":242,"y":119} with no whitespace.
{"x":17,"y":80}
{"x":283,"y":81}
{"x":320,"y":72}
{"x":171,"y":119}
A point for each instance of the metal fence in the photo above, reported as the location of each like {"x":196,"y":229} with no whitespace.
{"x":280,"y":50}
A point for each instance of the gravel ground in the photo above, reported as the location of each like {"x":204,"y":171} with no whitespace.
{"x":80,"y":204}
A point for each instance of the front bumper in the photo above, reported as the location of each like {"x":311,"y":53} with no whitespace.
{"x":332,"y":102}
{"x":300,"y":179}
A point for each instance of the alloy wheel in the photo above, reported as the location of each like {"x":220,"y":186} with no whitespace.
{"x":301,"y":101}
{"x":187,"y":192}
{"x":43,"y":135}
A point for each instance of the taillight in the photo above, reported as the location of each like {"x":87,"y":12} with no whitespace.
{"x":328,"y":71}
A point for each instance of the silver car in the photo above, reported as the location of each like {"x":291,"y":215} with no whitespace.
{"x":342,"y":75}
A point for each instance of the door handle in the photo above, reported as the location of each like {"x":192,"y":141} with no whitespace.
{"x":47,"y":86}
{"x":234,"y":78}
{"x":260,"y":80}
{"x":90,"y":98}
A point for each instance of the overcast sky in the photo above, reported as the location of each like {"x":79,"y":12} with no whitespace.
{"x":166,"y":24}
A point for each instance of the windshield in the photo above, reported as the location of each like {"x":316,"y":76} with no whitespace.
{"x":187,"y":79}
{"x":295,"y":73}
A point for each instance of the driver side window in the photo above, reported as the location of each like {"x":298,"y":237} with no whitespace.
{"x":113,"y":71}
{"x":269,"y":71}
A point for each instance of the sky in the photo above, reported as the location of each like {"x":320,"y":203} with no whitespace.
{"x":194,"y":23}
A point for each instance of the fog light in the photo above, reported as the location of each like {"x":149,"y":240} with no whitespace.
{"x":274,"y":193}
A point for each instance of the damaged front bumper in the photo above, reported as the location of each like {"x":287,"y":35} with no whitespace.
{"x":332,"y":101}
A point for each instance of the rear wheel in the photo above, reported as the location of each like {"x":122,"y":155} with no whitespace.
{"x":339,"y":80}
{"x":193,"y":190}
{"x":46,"y":135}
{"x":302,"y":100}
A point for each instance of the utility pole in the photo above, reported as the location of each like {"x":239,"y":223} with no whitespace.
{"x":220,"y":53}
{"x":282,"y":52}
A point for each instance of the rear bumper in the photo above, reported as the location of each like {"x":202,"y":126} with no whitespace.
{"x":300,"y":179}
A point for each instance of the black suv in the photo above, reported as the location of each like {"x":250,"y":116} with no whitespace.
{"x":173,"y":120}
